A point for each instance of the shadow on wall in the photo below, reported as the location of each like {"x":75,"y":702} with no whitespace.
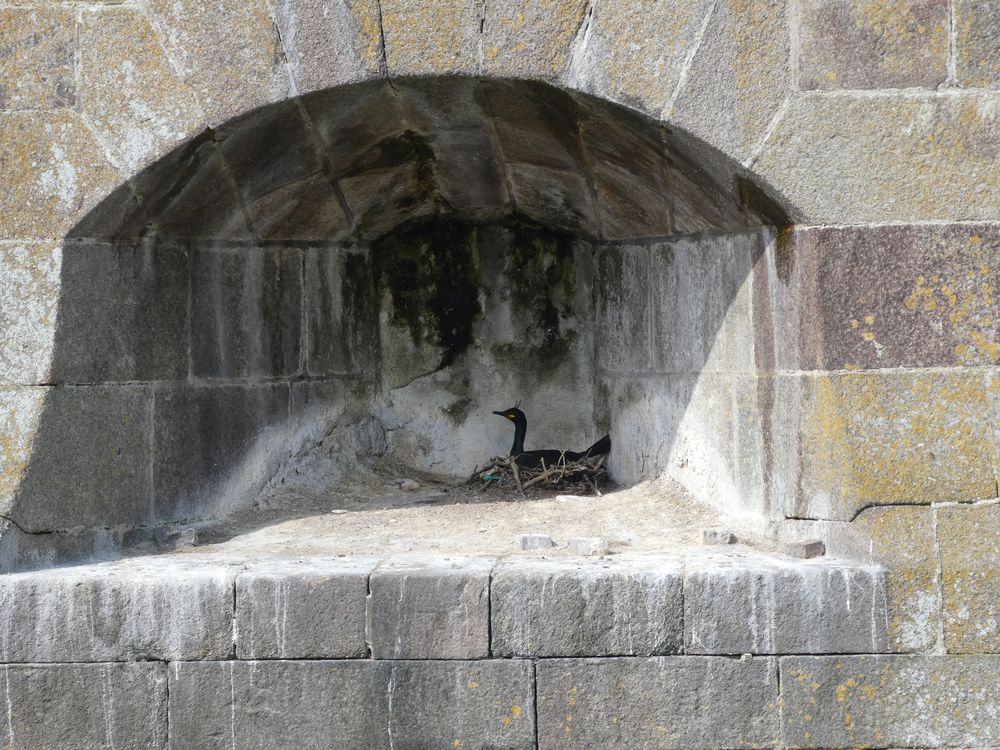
{"x":415,"y":251}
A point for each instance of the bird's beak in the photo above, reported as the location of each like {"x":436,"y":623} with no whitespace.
{"x":502,"y":414}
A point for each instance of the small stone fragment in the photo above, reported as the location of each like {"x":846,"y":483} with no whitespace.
{"x":805,"y":548}
{"x":588,"y":546}
{"x":409,"y":485}
{"x":533,"y":541}
{"x":718,"y":536}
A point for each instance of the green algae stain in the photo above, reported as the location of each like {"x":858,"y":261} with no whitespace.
{"x":432,"y":273}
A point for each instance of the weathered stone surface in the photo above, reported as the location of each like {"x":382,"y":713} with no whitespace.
{"x":230,"y":53}
{"x":85,"y":706}
{"x":128,"y":90}
{"x":881,"y":297}
{"x":189,"y":194}
{"x":523,"y":39}
{"x":85,"y":453}
{"x":751,"y":603}
{"x":124,"y":611}
{"x":702,"y":304}
{"x":37,"y":48}
{"x":302,"y":610}
{"x":121,"y":316}
{"x":215,"y":446}
{"x":970,"y":577}
{"x":852,"y":44}
{"x":913,"y":593}
{"x":589,"y":546}
{"x":615,"y":607}
{"x":445,"y":41}
{"x":533,"y":541}
{"x":21,"y":411}
{"x":341,"y":311}
{"x":553,"y":197}
{"x":892,"y":158}
{"x":355,"y":705}
{"x":667,"y":702}
{"x":805,"y":549}
{"x":29,"y":298}
{"x":977,"y":42}
{"x":54,"y":173}
{"x":890,"y":701}
{"x":624,"y":317}
{"x":856,"y":439}
{"x":382,"y":200}
{"x":311,"y":209}
{"x":739,"y":76}
{"x":635,"y":53}
{"x":330,"y":44}
{"x":430,"y":610}
{"x":246,"y":318}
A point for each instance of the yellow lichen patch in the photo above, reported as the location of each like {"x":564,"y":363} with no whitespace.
{"x":906,"y":39}
{"x":879,"y":437}
{"x":442,"y":37}
{"x":473,"y":685}
{"x":516,"y":710}
{"x":456,"y":742}
{"x":37,"y":48}
{"x":53,"y":173}
{"x":129,"y":91}
{"x":531,"y":38}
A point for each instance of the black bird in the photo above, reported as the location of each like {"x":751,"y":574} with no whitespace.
{"x":533,"y":459}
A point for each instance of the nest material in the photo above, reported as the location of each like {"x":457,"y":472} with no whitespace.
{"x":582,"y":477}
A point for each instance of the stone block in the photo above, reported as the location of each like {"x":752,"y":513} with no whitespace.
{"x":37,"y":50}
{"x":468,"y":174}
{"x":122,"y":611}
{"x":881,"y":297}
{"x":311,"y":209}
{"x":119,"y":317}
{"x":84,"y":459}
{"x":341,"y":312}
{"x":977,"y":43}
{"x":615,"y":607}
{"x":307,"y":610}
{"x":380,"y":200}
{"x":702,"y":304}
{"x":269,"y":149}
{"x":85,"y":706}
{"x":229,"y":54}
{"x":523,"y":39}
{"x":246,"y":312}
{"x":718,"y":536}
{"x":54,"y":172}
{"x":330,"y":44}
{"x":739,"y":76}
{"x":588,"y":546}
{"x":890,"y":701}
{"x":128,"y":90}
{"x":554,"y":198}
{"x":666,"y":702}
{"x":852,"y":440}
{"x":421,"y":41}
{"x":893,"y":158}
{"x":622,"y":39}
{"x":914,"y":597}
{"x":354,"y":705}
{"x":533,"y":541}
{"x":970,"y":577}
{"x":743,"y":603}
{"x":624,"y":316}
{"x":29,"y":299}
{"x":430,"y":610}
{"x":189,"y":194}
{"x":852,"y":44}
{"x":215,"y":447}
{"x":21,"y":410}
{"x":805,"y":549}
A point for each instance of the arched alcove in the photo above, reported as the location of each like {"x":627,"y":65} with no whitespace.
{"x":369,"y":271}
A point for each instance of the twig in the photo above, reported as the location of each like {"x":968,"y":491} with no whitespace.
{"x":517,"y":476}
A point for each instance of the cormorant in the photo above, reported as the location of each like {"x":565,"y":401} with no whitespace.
{"x":551,"y":457}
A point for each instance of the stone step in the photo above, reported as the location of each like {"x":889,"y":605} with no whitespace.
{"x":196,"y":607}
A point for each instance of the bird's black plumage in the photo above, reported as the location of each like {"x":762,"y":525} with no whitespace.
{"x":535,"y":458}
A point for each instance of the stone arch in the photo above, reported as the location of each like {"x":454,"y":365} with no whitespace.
{"x":228,"y":303}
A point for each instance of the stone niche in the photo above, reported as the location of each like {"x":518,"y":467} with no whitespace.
{"x":376,"y":268}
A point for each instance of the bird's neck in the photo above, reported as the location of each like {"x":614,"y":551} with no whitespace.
{"x":520,"y":429}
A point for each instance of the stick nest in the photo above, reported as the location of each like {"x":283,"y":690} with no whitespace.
{"x":584,"y":477}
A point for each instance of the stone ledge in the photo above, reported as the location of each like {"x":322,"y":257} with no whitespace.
{"x":753,"y":603}
{"x":610,"y":607}
{"x":118,"y":612}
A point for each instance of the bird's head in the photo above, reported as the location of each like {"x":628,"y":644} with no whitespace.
{"x":513,"y":414}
